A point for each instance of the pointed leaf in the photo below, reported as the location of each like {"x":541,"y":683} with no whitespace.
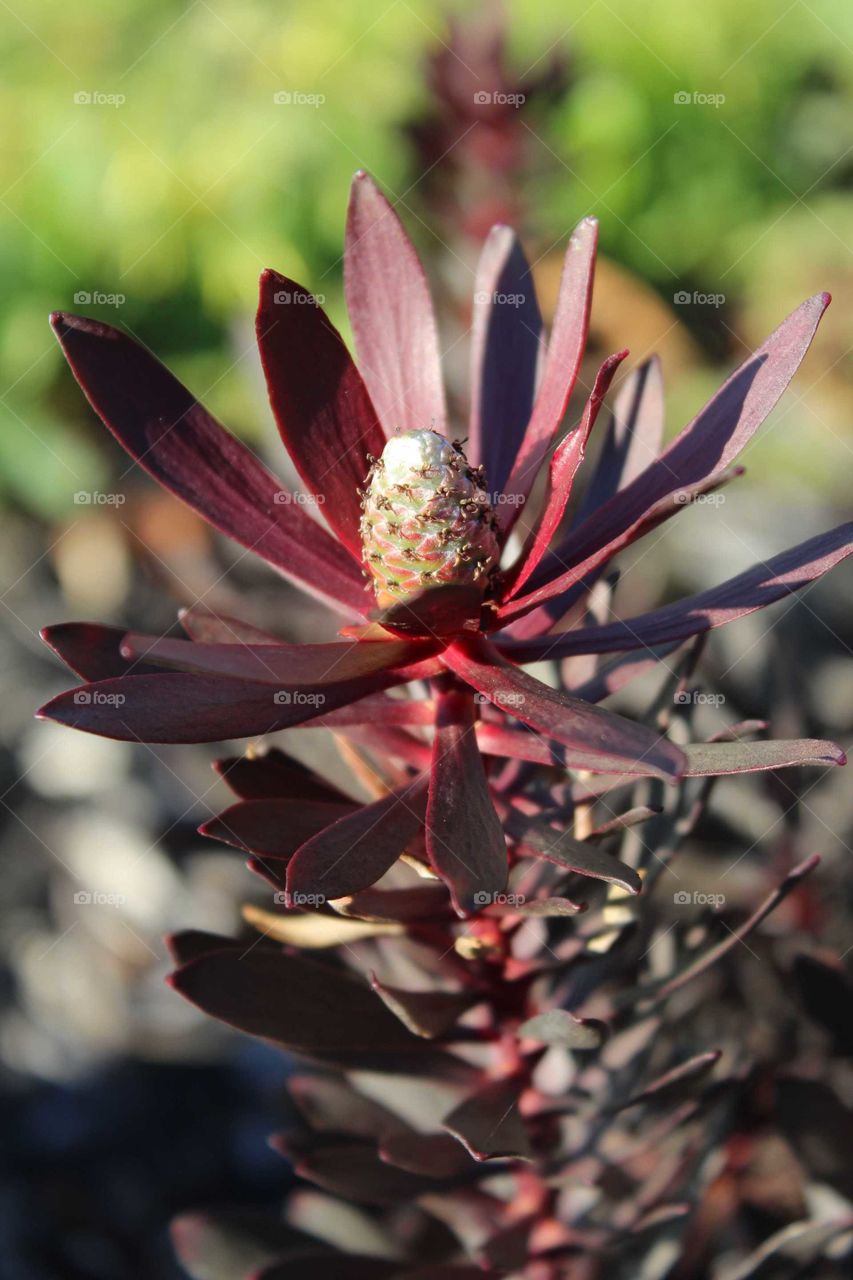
{"x":536,"y":836}
{"x":168,"y":433}
{"x":273,"y":775}
{"x":93,"y":651}
{"x":633,"y":439}
{"x":429,"y":1014}
{"x":391,"y":313}
{"x":489,"y":1124}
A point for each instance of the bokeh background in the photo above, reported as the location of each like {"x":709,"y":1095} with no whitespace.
{"x":156,"y":156}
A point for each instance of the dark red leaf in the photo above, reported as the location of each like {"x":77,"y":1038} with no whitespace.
{"x":506,"y":351}
{"x":204,"y":625}
{"x":565,"y":351}
{"x":354,"y":1170}
{"x":465,"y":840}
{"x":430,"y":1014}
{"x":391,"y":313}
{"x":164,"y":429}
{"x":93,"y":651}
{"x":322,"y":408}
{"x":272,"y":775}
{"x":273,"y":828}
{"x":538,"y":837}
{"x":489,"y":1124}
{"x":433,"y":1155}
{"x":356,"y":850}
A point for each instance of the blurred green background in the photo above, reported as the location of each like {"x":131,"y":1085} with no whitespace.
{"x":148,"y":164}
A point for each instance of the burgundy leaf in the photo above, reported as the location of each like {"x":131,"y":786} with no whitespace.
{"x":273,"y":828}
{"x":565,"y":352}
{"x":633,"y":439}
{"x":594,"y":738}
{"x":422,"y":902}
{"x":287,"y":665}
{"x":177,"y":707}
{"x":323,"y":411}
{"x":433,"y":1155}
{"x":356,"y":850}
{"x":537,"y":837}
{"x":272,"y":774}
{"x":465,"y":840}
{"x":93,"y":651}
{"x":429,"y":1014}
{"x":706,"y":446}
{"x":712,"y":759}
{"x":391,"y":313}
{"x":354,"y":1170}
{"x":188,"y":944}
{"x":439,"y":611}
{"x":164,"y":429}
{"x":306,"y":1006}
{"x":489,"y":1124}
{"x":562,"y":470}
{"x":331,"y":1105}
{"x":754,"y":589}
{"x":208,"y":627}
{"x":506,"y":352}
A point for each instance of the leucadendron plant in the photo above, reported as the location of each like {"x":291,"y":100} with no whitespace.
{"x":503,"y":1069}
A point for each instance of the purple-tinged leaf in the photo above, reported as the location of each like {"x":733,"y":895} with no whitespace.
{"x":355,"y":851}
{"x":713,"y":759}
{"x":232,"y":1242}
{"x":565,"y":352}
{"x":318,"y":399}
{"x":506,"y":352}
{"x":735,"y":936}
{"x":286,"y":665}
{"x":558,"y":1026}
{"x":390,"y":310}
{"x":537,"y":837}
{"x":188,"y":944}
{"x":432,"y":1155}
{"x":544,"y":908}
{"x":465,"y":841}
{"x":672,"y":1084}
{"x":488,"y":1123}
{"x":168,"y":433}
{"x":273,"y":775}
{"x":633,"y":439}
{"x":705,"y":447}
{"x":439,"y":611}
{"x":421,"y":902}
{"x":594,"y":739}
{"x":330,"y":1105}
{"x":93,"y":651}
{"x":354,"y":1171}
{"x":207,"y":627}
{"x":756,"y":588}
{"x":273,"y":828}
{"x":431,"y":1014}
{"x":177,"y":707}
{"x":562,"y":469}
{"x":630,"y":818}
{"x":291,"y":1000}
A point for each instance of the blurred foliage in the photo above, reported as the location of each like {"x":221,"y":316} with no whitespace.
{"x":179,"y":176}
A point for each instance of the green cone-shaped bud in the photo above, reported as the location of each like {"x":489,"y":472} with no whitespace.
{"x":427,"y":519}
